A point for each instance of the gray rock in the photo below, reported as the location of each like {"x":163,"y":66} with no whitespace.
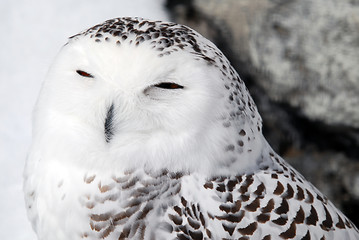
{"x":309,"y":50}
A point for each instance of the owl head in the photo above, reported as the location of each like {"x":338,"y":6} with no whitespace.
{"x":133,"y":93}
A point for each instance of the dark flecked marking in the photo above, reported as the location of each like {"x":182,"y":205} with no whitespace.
{"x":143,"y":213}
{"x":176,"y":175}
{"x":209,"y":233}
{"x":242,"y":238}
{"x":178,"y":210}
{"x":299,"y":218}
{"x":340,"y":224}
{"x":189,"y":212}
{"x":107,"y":231}
{"x":175,"y":219}
{"x":348,"y":224}
{"x":236,"y":206}
{"x":125,"y":233}
{"x":310,"y":197}
{"x":320,"y":198}
{"x":290,"y":233}
{"x":129,"y":184}
{"x":193,"y":223}
{"x":280,"y":221}
{"x":208,"y":185}
{"x":249,"y":230}
{"x":274,"y":176}
{"x":229,"y":197}
{"x":121,"y":179}
{"x":228,"y":228}
{"x":267,"y":237}
{"x":283,"y":208}
{"x":263,"y":217}
{"x":239,"y":179}
{"x":253,"y":206}
{"x":328,"y":222}
{"x":201,"y":218}
{"x":279,"y":189}
{"x":100,"y":217}
{"x":244,"y":188}
{"x":260,"y":189}
{"x":97,"y":228}
{"x":300,"y":193}
{"x":225,"y":208}
{"x":133,"y":202}
{"x":231,"y":184}
{"x":196,"y":235}
{"x":306,"y":236}
{"x":313,"y":217}
{"x":269,"y":207}
{"x":183,"y":201}
{"x":234,"y":218}
{"x":221,"y":188}
{"x":244,"y":197}
{"x":183,"y":229}
{"x":89,"y":180}
{"x":230,"y":148}
{"x":289,"y":193}
{"x":104,"y":188}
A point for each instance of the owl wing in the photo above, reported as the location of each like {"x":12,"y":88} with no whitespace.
{"x":266,"y":204}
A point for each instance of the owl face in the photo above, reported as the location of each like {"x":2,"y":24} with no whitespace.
{"x":127,"y":101}
{"x":132,"y":93}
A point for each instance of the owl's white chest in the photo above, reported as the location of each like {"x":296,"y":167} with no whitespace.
{"x":69,"y":203}
{"x":54,"y":194}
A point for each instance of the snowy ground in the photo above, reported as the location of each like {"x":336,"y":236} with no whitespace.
{"x":32,"y":34}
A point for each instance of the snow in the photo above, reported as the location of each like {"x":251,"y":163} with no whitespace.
{"x":32,"y":34}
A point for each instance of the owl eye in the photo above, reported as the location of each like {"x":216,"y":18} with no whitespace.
{"x":168,"y":85}
{"x":84,"y":74}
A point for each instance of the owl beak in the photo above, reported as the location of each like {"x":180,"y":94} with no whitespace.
{"x":108,"y":126}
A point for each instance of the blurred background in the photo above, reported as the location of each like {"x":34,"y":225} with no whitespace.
{"x":299,"y":60}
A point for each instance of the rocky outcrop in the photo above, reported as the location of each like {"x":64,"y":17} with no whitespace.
{"x":309,"y":49}
{"x":299,"y":59}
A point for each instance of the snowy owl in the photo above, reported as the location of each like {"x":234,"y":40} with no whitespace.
{"x":143,"y":130}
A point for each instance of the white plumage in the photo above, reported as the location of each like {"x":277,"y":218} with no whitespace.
{"x":144,"y":130}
